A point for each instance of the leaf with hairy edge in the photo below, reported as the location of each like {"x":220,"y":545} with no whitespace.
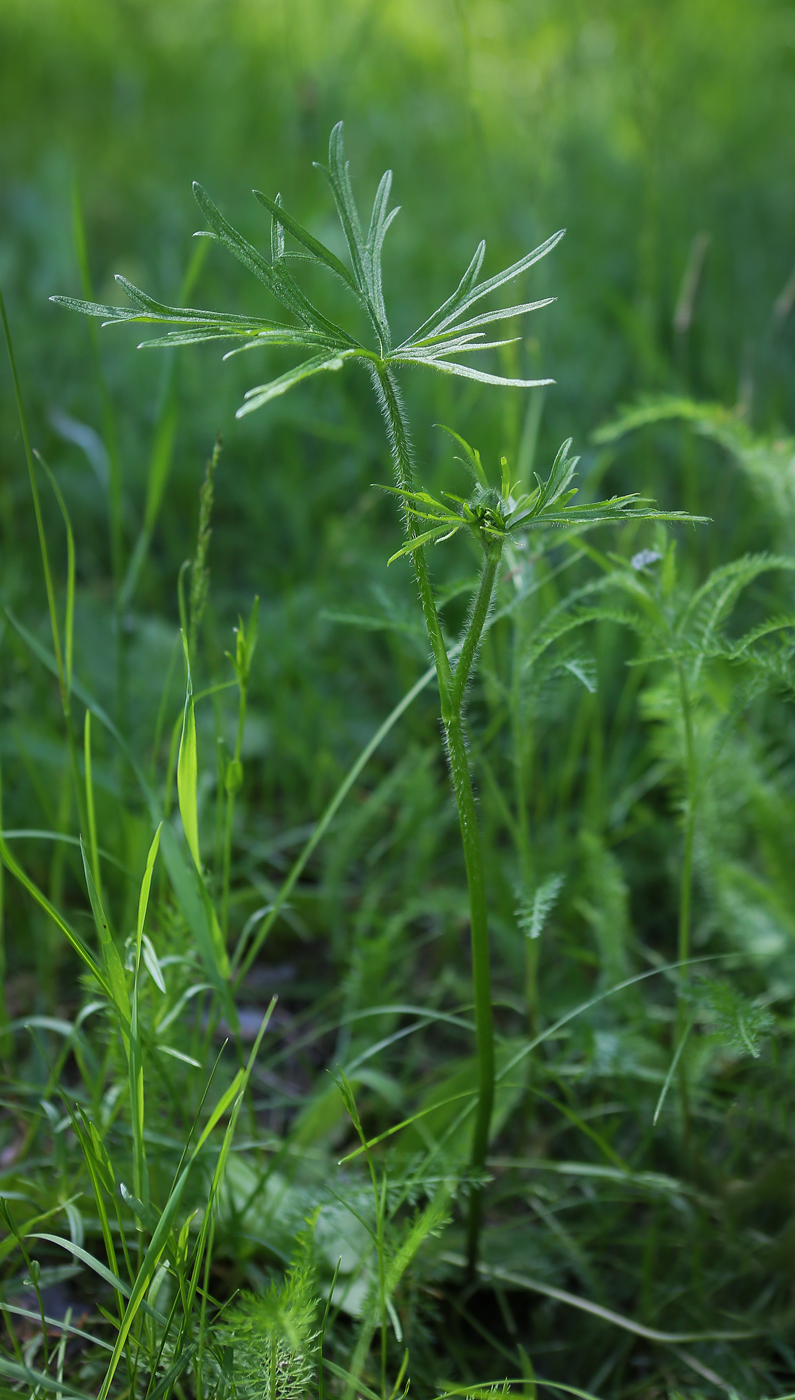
{"x":471,"y":460}
{"x":503,"y":314}
{"x":255,"y":398}
{"x":302,"y":235}
{"x":301,"y":338}
{"x":500,"y":278}
{"x":278,"y":336}
{"x":449,"y":307}
{"x":277,"y":280}
{"x":466,"y":372}
{"x":436,"y":535}
{"x":338,"y":175}
{"x":277,"y":233}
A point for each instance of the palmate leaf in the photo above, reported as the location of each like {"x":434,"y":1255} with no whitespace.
{"x":435,"y":345}
{"x":469,"y":290}
{"x":276,"y":279}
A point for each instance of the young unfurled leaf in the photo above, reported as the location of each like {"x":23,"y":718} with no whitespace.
{"x":532,"y":913}
{"x":471,"y":458}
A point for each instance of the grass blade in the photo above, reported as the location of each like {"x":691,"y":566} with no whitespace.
{"x":187,"y":770}
{"x":116,"y":980}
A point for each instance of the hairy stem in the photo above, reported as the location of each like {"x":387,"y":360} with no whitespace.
{"x":451,"y":693}
{"x":481,"y":968}
{"x":391,"y":405}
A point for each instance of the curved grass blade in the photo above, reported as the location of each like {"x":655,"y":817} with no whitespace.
{"x":70,"y":572}
{"x":116,"y":980}
{"x":41,"y":899}
{"x":596,"y":1310}
{"x":39,"y":1381}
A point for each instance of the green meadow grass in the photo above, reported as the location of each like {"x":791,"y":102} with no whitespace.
{"x":345,"y":1051}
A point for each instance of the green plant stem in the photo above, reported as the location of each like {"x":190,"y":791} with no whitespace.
{"x":481,"y":968}
{"x":686,"y":884}
{"x":391,"y":405}
{"x":477,"y":622}
{"x":451,"y":694}
{"x":686,"y":881}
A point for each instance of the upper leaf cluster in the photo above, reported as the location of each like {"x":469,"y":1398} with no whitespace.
{"x":436,"y":344}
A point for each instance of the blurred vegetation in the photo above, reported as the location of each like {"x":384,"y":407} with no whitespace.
{"x":659,"y":134}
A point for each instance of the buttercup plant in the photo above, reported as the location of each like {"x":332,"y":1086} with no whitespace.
{"x":491,"y":515}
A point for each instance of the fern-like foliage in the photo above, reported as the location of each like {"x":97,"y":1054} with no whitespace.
{"x":740,"y":1023}
{"x":273,"y":1336}
{"x":438,"y":343}
{"x":533,"y":910}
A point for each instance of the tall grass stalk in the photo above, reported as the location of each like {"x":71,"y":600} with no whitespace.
{"x":63,"y":655}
